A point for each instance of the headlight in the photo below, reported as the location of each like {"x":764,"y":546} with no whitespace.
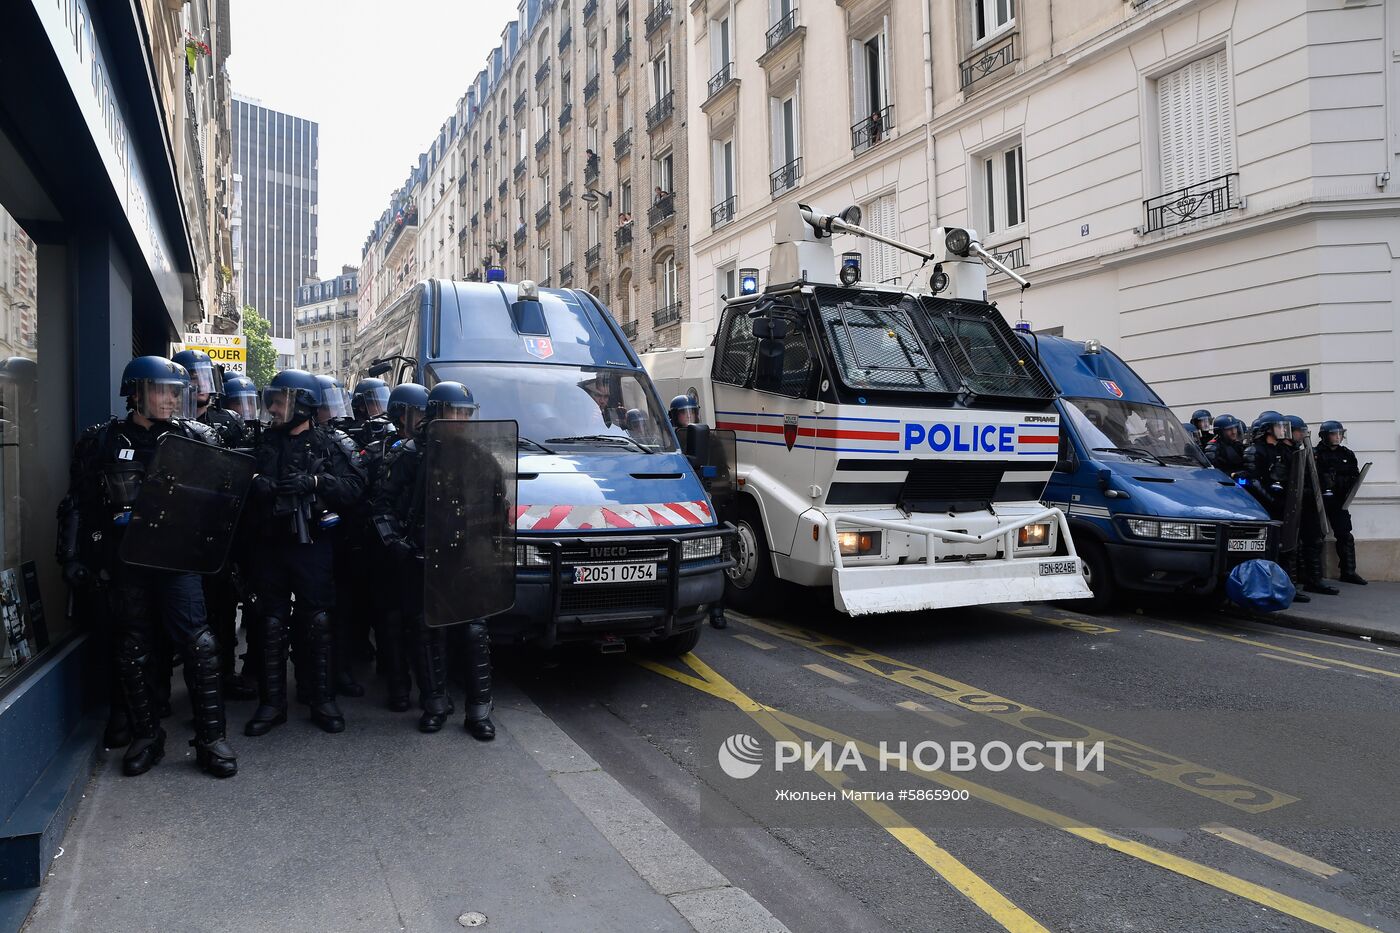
{"x":1033,"y":535}
{"x":1178,"y":531}
{"x":701,"y":548}
{"x":858,"y":543}
{"x":1144,"y":528}
{"x":530,"y":555}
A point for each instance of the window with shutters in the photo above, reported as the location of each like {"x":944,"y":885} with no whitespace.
{"x":881,"y":261}
{"x":992,"y":17}
{"x":1196,"y":146}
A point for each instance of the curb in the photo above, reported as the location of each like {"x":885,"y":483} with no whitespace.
{"x":1292,"y":618}
{"x":703,"y":896}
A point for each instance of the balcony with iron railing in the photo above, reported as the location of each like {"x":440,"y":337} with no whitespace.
{"x":592,"y":256}
{"x":1193,"y":202}
{"x":658,"y":16}
{"x":542,"y":216}
{"x":623,"y":237}
{"x":566,"y":275}
{"x":476,"y":164}
{"x":519,"y":103}
{"x":566,"y":115}
{"x":629,"y":330}
{"x":542,"y":72}
{"x":486,"y":146}
{"x":873,"y":130}
{"x":666,"y":315}
{"x":623,"y":144}
{"x":721,"y":79}
{"x":590,"y":172}
{"x":590,"y":89}
{"x":542,"y":145}
{"x":520,"y":232}
{"x":989,"y":60}
{"x":1012,"y":255}
{"x":590,"y":9}
{"x":566,"y":38}
{"x":663,"y":210}
{"x":486,"y":208}
{"x":782,"y":29}
{"x":566,"y":194}
{"x":785,"y":178}
{"x":623,"y":53}
{"x":409,"y":220}
{"x":661,"y":111}
{"x":502,"y":188}
{"x":476,"y":220}
{"x":723,"y":212}
{"x":520,"y":167}
{"x":503,"y":125}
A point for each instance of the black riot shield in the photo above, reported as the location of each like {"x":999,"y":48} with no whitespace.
{"x":186,"y":512}
{"x":1293,"y":499}
{"x":1314,"y":485}
{"x":721,"y":472}
{"x":468,"y":520}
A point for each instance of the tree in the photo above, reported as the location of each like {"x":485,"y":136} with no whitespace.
{"x":262,"y":358}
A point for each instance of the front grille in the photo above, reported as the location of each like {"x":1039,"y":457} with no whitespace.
{"x":613,"y":597}
{"x":950,"y":485}
{"x":636,"y":554}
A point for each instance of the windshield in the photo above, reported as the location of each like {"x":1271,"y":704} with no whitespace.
{"x":567,"y":407}
{"x":1119,"y":430}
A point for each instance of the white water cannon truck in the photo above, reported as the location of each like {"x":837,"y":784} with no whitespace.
{"x":890,"y":443}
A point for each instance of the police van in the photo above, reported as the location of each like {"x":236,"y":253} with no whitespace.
{"x":1146,"y":509}
{"x":616,"y":538}
{"x":891,"y":443}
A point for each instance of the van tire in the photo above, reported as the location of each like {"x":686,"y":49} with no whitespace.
{"x":756,"y":595}
{"x":673,"y":646}
{"x":1100,"y":577}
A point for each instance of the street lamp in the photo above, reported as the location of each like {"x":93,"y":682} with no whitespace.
{"x":593,"y":194}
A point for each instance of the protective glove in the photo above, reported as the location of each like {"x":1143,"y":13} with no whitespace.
{"x":263,"y":486}
{"x":298,"y":484}
{"x":77,"y":574}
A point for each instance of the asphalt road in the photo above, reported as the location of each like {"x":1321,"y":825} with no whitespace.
{"x":1246,"y":784}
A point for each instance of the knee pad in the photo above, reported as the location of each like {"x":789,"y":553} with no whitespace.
{"x":204,"y":644}
{"x":318,"y":623}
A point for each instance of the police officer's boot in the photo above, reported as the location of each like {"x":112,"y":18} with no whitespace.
{"x":478,"y":645}
{"x":117,"y":734}
{"x":324,"y":711}
{"x":270,"y":660}
{"x":430,"y":661}
{"x":1288,"y":560}
{"x":1311,"y":556}
{"x":717,"y":619}
{"x":344,"y":656}
{"x":211,"y":749}
{"x":1346,"y":557}
{"x":393,"y":660}
{"x":147,"y":746}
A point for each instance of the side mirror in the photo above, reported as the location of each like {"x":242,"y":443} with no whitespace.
{"x":379,"y":369}
{"x":1065,"y":466}
{"x":695,"y":444}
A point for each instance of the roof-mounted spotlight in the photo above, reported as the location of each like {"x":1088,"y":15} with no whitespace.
{"x":850,"y":268}
{"x":958,"y":241}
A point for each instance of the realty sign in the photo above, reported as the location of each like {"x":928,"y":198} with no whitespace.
{"x":227,"y":350}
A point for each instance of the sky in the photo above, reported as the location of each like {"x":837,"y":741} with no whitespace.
{"x":379,"y":76}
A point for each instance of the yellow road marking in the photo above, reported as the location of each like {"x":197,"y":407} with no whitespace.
{"x":757,"y":643}
{"x":1154,"y":763}
{"x":837,"y":676}
{"x":1241,"y":640}
{"x":712,"y":683}
{"x":942,"y":718}
{"x":1273,"y":850}
{"x":1157,"y":631}
{"x":1279,"y":657}
{"x":1092,"y":778}
{"x":963,"y":879}
{"x":1073,"y":623}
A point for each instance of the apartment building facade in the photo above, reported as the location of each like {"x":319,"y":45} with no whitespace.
{"x":1205,"y":185}
{"x":325,"y":325}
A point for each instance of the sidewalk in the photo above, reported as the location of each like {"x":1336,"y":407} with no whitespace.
{"x":380,"y":828}
{"x":1372,"y":611}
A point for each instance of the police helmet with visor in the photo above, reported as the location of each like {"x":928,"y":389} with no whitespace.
{"x":1296,"y":425}
{"x":291,"y":397}
{"x":203,"y":376}
{"x":684,"y":411}
{"x":451,"y":401}
{"x":1201,"y":418}
{"x":332,"y":404}
{"x":1336,"y":429}
{"x":157,"y":388}
{"x":1226,"y":426}
{"x":371,"y":398}
{"x":240,"y":397}
{"x":1270,"y":424}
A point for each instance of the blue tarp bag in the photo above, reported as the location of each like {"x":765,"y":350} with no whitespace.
{"x":1260,"y":584}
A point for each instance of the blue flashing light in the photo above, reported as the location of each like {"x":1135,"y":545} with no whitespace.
{"x":495,"y":274}
{"x":748,"y":281}
{"x":1023,"y":326}
{"x":1241,"y":481}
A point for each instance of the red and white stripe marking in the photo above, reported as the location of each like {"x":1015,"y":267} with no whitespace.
{"x":611,"y":515}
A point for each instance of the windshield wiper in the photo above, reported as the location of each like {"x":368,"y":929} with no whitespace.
{"x":526,"y":442}
{"x":1180,"y":458}
{"x":602,"y":439}
{"x":1139,"y":452}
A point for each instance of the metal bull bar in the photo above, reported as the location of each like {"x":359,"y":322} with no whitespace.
{"x":962,"y":583}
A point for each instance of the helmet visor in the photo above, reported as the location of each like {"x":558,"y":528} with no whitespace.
{"x":244,"y":406}
{"x":333,"y":404}
{"x":202,"y":377}
{"x":454,"y":411}
{"x":165,"y":399}
{"x":1282,"y":430}
{"x":374,"y":401}
{"x":1202,"y":424}
{"x":278,"y":406}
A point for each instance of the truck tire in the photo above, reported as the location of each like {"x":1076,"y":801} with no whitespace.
{"x":749,"y":585}
{"x":1100,"y":577}
{"x":676,"y":645}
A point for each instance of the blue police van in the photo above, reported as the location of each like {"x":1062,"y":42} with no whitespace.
{"x":616,"y":538}
{"x":1146,"y":509}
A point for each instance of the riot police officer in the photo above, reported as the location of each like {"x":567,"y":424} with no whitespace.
{"x":303,"y":473}
{"x":1225,"y":450}
{"x":1203,"y":421}
{"x":207,"y":382}
{"x":1310,"y":536}
{"x":1266,"y":465}
{"x":683,"y":411}
{"x":240,"y":398}
{"x":399,"y":515}
{"x":109,"y":463}
{"x":1338,"y":472}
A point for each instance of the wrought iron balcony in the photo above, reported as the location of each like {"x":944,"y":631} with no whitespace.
{"x":629,"y":330}
{"x":663,"y":210}
{"x":590,"y":89}
{"x":658,"y":16}
{"x":486,"y":208}
{"x":520,"y":235}
{"x":542,"y":145}
{"x":667,"y":314}
{"x":590,"y":8}
{"x":785,"y":178}
{"x":566,"y":275}
{"x":988,"y":60}
{"x":1193,"y":202}
{"x":661,"y":112}
{"x":501,"y":127}
{"x":1012,"y":255}
{"x":501,"y":190}
{"x":592,"y":255}
{"x":566,"y":115}
{"x":721,"y":79}
{"x":476,"y":220}
{"x":723,"y":212}
{"x":590,"y":172}
{"x":566,"y":194}
{"x":542,"y":216}
{"x":486,"y":146}
{"x":542,"y":72}
{"x":623,"y":144}
{"x":476,"y":164}
{"x":566,"y":38}
{"x":623,"y":237}
{"x":545,"y":283}
{"x":873,"y":130}
{"x":623,"y":53}
{"x":782,"y":28}
{"x":519,"y":103}
{"x":520,"y":168}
